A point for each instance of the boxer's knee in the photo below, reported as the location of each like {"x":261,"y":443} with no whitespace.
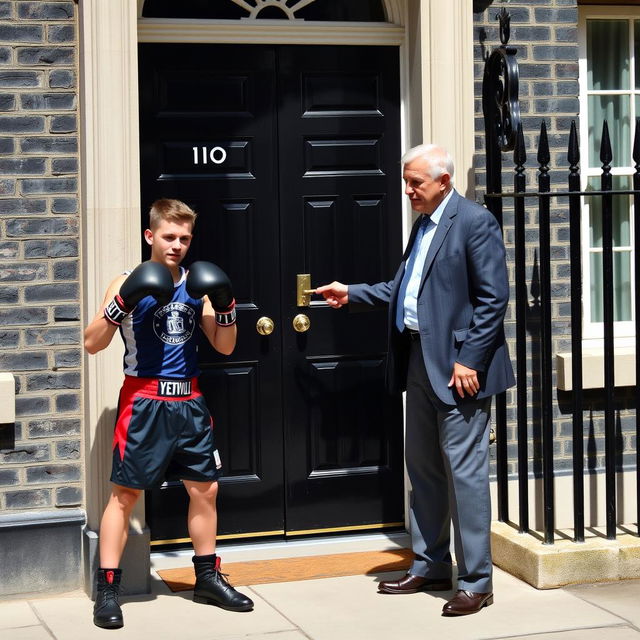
{"x":206,"y":491}
{"x":126,"y":497}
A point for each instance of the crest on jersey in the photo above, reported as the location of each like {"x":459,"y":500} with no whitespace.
{"x":174,"y":323}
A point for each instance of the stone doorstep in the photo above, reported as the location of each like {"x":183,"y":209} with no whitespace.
{"x":565,"y":562}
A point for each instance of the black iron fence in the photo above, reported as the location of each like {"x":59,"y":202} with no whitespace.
{"x":504,"y":133}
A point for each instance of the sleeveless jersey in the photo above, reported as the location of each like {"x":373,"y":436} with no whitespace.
{"x":162,"y":341}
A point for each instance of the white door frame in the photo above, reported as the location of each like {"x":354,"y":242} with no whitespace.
{"x":436,"y":72}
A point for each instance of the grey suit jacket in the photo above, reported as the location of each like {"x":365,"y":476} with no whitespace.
{"x":462,"y":300}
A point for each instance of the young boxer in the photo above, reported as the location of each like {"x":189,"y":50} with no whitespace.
{"x":163,"y":428}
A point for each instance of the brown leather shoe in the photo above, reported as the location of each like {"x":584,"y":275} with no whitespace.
{"x":413,"y":584}
{"x":466,"y":602}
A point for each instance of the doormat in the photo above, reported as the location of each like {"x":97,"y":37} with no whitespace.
{"x":293,"y":569}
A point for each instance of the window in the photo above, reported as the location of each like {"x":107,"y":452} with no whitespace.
{"x":609,"y":90}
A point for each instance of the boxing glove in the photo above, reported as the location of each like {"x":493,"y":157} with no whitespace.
{"x":206,"y":278}
{"x":147,"y":279}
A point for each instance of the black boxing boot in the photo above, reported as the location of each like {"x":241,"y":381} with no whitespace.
{"x":212,"y":587}
{"x":106,"y":610}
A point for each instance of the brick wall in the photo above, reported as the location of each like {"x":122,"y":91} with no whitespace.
{"x":545,"y":33}
{"x":40,"y":329}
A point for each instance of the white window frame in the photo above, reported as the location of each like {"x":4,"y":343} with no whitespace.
{"x":624,"y":331}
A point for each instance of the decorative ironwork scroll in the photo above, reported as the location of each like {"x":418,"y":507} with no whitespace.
{"x":500,"y":103}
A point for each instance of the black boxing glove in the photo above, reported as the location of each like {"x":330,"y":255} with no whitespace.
{"x":147,"y":279}
{"x":206,"y":278}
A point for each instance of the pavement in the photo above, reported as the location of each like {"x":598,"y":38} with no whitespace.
{"x":346,"y":608}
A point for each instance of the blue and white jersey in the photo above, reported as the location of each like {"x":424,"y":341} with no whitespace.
{"x":162,"y":341}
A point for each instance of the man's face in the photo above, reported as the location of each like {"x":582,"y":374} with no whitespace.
{"x":424,"y":192}
{"x":169,"y":242}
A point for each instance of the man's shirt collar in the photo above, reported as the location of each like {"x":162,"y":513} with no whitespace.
{"x":437,"y":214}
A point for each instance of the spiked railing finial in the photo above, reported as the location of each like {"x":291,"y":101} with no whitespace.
{"x":573,"y":152}
{"x":606,"y":155}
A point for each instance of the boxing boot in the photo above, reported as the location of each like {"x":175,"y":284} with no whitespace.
{"x":106,"y":610}
{"x":212,"y":587}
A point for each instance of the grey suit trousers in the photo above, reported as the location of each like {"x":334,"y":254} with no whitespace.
{"x":447,"y":456}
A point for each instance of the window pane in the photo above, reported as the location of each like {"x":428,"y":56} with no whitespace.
{"x":636,"y":31}
{"x":595,"y":269}
{"x":615,"y":110}
{"x":621,"y":286}
{"x":621,"y":213}
{"x":361,"y":10}
{"x":607,"y":54}
{"x":203,"y":9}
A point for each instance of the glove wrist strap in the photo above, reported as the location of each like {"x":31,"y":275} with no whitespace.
{"x":116,"y":311}
{"x":227,"y":318}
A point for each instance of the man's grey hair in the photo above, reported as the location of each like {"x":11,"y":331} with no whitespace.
{"x":439,"y":159}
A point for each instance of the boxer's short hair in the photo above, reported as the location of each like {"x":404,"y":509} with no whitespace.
{"x":172,"y":211}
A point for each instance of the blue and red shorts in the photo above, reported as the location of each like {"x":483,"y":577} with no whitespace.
{"x":163,"y":432}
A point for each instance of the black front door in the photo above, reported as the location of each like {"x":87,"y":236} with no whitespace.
{"x":289,"y":154}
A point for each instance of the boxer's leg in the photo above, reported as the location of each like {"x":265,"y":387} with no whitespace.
{"x":196,"y":462}
{"x":202,"y":519}
{"x":114,"y":529}
{"x":211,"y":586}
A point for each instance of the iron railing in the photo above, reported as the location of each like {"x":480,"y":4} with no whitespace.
{"x":504,"y":133}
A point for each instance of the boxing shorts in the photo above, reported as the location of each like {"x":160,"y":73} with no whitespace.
{"x":163,"y":432}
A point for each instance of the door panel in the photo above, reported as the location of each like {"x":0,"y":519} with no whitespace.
{"x":223,"y":98}
{"x":290,"y":156}
{"x":338,"y":162}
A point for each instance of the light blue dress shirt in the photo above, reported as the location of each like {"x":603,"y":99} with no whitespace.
{"x":420,"y":249}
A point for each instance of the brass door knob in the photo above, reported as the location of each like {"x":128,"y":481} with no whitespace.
{"x":265,"y":326}
{"x":301,"y":323}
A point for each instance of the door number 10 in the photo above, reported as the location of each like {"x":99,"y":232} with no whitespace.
{"x":202,"y":155}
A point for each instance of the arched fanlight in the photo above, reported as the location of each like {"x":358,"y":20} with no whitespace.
{"x":254,"y":7}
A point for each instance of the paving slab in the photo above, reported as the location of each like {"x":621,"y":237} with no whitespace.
{"x":619,"y":598}
{"x":599,"y":633}
{"x":285,"y":635}
{"x":162,"y":615}
{"x":350,"y":608}
{"x":16,"y":613}
{"x":27,"y":633}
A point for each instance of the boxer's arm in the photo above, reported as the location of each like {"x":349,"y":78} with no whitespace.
{"x":221,"y":338}
{"x":100,"y":332}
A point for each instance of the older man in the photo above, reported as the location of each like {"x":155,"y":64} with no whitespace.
{"x":447,"y":350}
